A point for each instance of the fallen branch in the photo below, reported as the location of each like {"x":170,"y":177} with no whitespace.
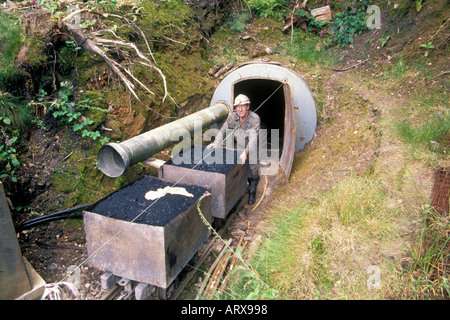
{"x":434,"y":77}
{"x":440,"y":28}
{"x":208,"y":275}
{"x":216,"y":277}
{"x":351,"y":67}
{"x":134,"y":26}
{"x":223,"y":70}
{"x":439,"y":75}
{"x":234,"y":262}
{"x":67,"y":157}
{"x":89,"y":45}
{"x":214,"y":69}
{"x":299,"y":20}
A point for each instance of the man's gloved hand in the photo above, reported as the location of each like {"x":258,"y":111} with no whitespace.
{"x":211,"y":146}
{"x":243,"y":157}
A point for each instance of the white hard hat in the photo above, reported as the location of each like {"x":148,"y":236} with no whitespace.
{"x":241,"y":99}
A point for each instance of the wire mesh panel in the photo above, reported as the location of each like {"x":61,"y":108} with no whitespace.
{"x":441,"y":191}
{"x":444,"y":142}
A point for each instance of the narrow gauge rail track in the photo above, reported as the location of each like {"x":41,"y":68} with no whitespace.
{"x":113,"y":293}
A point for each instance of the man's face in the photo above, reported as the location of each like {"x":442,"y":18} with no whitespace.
{"x":242,"y":110}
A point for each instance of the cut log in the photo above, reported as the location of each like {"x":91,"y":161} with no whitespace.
{"x":214,"y":69}
{"x":223,"y":70}
{"x":322,"y":14}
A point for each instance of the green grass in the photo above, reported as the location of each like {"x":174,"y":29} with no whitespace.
{"x":429,"y":257}
{"x":311,"y":244}
{"x":309,"y":48}
{"x":421,"y":135}
{"x":425,"y":115}
{"x":239,"y":21}
{"x":424,"y":118}
{"x":15,"y":109}
{"x":325,"y":248}
{"x":10,"y":40}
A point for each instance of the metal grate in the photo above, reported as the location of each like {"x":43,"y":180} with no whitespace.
{"x":441,"y":191}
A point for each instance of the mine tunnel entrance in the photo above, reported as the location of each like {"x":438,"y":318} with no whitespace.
{"x":268,"y":100}
{"x":291,"y":108}
{"x":280,"y":97}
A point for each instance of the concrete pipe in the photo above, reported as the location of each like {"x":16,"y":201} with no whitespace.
{"x":115,"y":158}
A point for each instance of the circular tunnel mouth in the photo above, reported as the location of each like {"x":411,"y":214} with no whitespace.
{"x":268,"y":100}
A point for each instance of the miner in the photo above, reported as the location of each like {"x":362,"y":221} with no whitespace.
{"x":244,"y":125}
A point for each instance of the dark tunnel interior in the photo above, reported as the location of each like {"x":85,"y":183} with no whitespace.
{"x":272,"y":111}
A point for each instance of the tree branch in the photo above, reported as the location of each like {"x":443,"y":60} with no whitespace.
{"x":89,"y":45}
{"x":134,"y":26}
{"x":142,"y":56}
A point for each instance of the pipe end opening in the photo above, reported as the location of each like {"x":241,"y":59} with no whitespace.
{"x":112,"y":160}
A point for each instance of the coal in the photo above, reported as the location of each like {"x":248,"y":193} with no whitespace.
{"x":220,"y":160}
{"x":129,"y":202}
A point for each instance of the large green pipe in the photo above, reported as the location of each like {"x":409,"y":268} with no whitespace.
{"x":115,"y":158}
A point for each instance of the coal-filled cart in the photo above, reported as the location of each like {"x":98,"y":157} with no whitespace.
{"x":147,"y":231}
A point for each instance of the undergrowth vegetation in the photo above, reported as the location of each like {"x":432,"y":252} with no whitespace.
{"x":427,"y":116}
{"x":74,"y":114}
{"x":314,"y":248}
{"x":10,"y":41}
{"x":349,"y":21}
{"x":310,"y":49}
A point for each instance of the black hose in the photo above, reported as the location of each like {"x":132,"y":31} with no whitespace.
{"x":64,"y":214}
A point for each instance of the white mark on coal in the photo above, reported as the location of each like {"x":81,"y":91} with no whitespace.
{"x":161,"y":192}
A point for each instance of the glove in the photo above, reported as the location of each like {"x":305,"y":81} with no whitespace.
{"x":243,"y":157}
{"x":211,"y":146}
